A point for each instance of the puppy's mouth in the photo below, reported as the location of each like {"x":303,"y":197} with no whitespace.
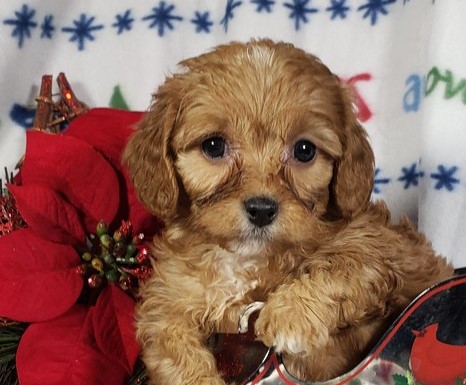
{"x":253,"y":241}
{"x":258,"y":227}
{"x":258,"y":234}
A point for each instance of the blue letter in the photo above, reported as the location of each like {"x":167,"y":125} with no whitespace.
{"x":412,"y":97}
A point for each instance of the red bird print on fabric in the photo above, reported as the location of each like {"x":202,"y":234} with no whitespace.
{"x":434,"y":362}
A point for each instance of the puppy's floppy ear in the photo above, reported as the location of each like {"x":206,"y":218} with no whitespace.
{"x":149,"y":161}
{"x":353,"y":179}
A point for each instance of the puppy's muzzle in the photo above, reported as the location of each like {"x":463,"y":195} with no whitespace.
{"x":261,"y":211}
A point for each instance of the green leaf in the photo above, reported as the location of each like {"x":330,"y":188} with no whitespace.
{"x":410,"y":378}
{"x":400,"y":380}
{"x":117,"y":100}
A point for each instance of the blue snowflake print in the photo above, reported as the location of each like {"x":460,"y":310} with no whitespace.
{"x":445,"y":178}
{"x":338,"y":8}
{"x":231,"y":5}
{"x":47,"y":27}
{"x":124,"y":22}
{"x":22,"y":115}
{"x":162,"y":17}
{"x":410,"y":176}
{"x":379,"y":181}
{"x":202,"y":21}
{"x":263,"y":5}
{"x":23,"y":23}
{"x":375,"y":7}
{"x":299,"y":12}
{"x":83,"y":30}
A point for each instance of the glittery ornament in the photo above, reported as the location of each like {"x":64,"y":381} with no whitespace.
{"x":142,"y":273}
{"x":125,"y":230}
{"x":127,"y":282}
{"x":10,"y":218}
{"x":143,"y":256}
{"x":138,"y":238}
{"x":95,"y":281}
{"x":238,"y":355}
{"x":50,"y":114}
{"x":81,"y":269}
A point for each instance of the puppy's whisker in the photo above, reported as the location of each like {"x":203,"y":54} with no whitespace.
{"x":261,"y":234}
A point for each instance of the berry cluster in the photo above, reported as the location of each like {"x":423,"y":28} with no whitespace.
{"x":121,"y":257}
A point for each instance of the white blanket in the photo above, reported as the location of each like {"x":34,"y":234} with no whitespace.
{"x":405,"y":58}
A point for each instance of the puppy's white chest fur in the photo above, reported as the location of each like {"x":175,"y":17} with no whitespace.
{"x":234,"y":276}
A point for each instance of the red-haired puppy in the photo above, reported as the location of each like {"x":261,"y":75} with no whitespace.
{"x":253,"y":157}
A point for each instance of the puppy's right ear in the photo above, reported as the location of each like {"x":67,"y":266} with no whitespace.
{"x":353,"y":180}
{"x":150,"y":164}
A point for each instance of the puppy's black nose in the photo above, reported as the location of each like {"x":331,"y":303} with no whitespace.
{"x":261,"y":210}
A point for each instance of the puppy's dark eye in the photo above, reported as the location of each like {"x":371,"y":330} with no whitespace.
{"x":214,"y":147}
{"x":304,"y":151}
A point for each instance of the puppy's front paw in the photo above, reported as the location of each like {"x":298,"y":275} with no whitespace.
{"x":290,"y":327}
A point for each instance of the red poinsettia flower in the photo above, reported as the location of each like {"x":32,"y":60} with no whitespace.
{"x":68,"y":184}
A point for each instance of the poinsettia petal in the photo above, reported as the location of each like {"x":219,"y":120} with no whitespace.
{"x":63,"y":351}
{"x":114,"y":327}
{"x":105,"y":129}
{"x":48,"y":215}
{"x":108,"y":130}
{"x":73,"y":168}
{"x":38,"y":278}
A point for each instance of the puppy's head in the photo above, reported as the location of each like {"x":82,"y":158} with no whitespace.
{"x":252,"y":142}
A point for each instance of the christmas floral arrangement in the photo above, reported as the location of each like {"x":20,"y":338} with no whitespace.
{"x":73,"y":250}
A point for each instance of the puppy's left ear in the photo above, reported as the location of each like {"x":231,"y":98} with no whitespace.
{"x":149,"y":161}
{"x":353,"y":179}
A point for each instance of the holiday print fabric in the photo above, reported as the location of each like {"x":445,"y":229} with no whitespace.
{"x":404,"y":59}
